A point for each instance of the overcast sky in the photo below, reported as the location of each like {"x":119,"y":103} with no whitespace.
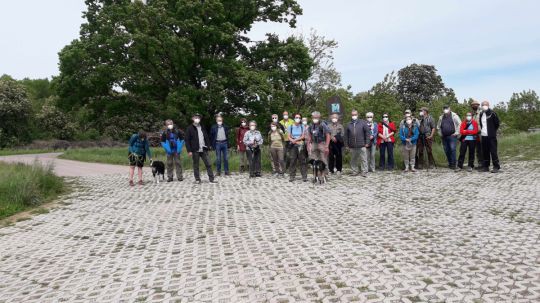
{"x":485,"y":49}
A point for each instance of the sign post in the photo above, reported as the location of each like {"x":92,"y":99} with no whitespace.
{"x":334,"y":106}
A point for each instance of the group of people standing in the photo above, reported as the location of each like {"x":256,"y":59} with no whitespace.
{"x":293,"y":142}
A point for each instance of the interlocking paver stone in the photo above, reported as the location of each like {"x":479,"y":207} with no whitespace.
{"x":434,"y":236}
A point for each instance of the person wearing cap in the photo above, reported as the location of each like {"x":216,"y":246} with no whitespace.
{"x":197,"y":145}
{"x":240,"y":146}
{"x":489,"y":125}
{"x":425,"y":140}
{"x":276,"y":140}
{"x":297,"y":135}
{"x":407,"y":114}
{"x":469,"y":136}
{"x":318,"y":141}
{"x":219,"y":134}
{"x":385,"y":141}
{"x":408,"y":134}
{"x":253,"y":141}
{"x":357,"y":137}
{"x":448,"y":127}
{"x":286,"y":123}
{"x":372,"y":148}
{"x":476,"y":111}
{"x":335,"y":157}
{"x":172,"y":141}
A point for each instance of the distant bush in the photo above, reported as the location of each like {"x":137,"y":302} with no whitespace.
{"x":15,"y":113}
{"x":55,"y":123}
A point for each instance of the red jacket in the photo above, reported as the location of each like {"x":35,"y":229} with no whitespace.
{"x":391,"y":129}
{"x":465,"y":132}
{"x":240,"y":132}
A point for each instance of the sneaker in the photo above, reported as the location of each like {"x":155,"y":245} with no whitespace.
{"x":338,"y":174}
{"x":470,"y":169}
{"x":304,"y":180}
{"x":180,"y":179}
{"x":140,"y":182}
{"x":495,"y":170}
{"x":354,"y":174}
{"x":212,"y":181}
{"x":169,"y":179}
{"x":218,"y":174}
{"x":363,"y":175}
{"x":291,"y":180}
{"x":275,"y":174}
{"x":413,"y":170}
{"x":227,"y":173}
{"x":198,"y":181}
{"x":131,"y":183}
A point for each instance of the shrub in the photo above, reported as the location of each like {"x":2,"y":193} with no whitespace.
{"x":55,"y":123}
{"x":15,"y":113}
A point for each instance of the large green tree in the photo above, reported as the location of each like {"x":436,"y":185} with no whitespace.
{"x":15,"y":113}
{"x":524,"y":110}
{"x":180,"y":57}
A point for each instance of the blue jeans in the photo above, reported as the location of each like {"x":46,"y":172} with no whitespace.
{"x":449,"y":145}
{"x":221,"y":152}
{"x":386,"y":146}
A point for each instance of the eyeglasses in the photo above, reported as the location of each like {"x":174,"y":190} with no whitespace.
{"x":385,"y":116}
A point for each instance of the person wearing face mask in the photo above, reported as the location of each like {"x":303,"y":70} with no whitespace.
{"x":372,"y":148}
{"x":276,"y":139}
{"x":240,"y":146}
{"x":489,"y":125}
{"x":172,"y":141}
{"x":318,"y":141}
{"x":358,"y":136}
{"x":197,"y":145}
{"x":385,"y":141}
{"x":448,"y":127}
{"x":407,"y":114}
{"x":469,"y":136}
{"x":275,"y":119}
{"x":335,"y":158}
{"x":408,"y":134}
{"x":476,"y":111}
{"x":253,"y":141}
{"x":286,"y":123}
{"x":297,"y":134}
{"x":219,"y":134}
{"x":425,"y":141}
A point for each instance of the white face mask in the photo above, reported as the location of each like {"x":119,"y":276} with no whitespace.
{"x":355,"y":118}
{"x":409,"y":122}
{"x":385,"y":119}
{"x":469,"y":118}
{"x":446,"y":111}
{"x":297,"y":120}
{"x":485,"y":107}
{"x":370,"y":119}
{"x":197,"y":120}
{"x":421,"y":114}
{"x":315,"y":121}
{"x":334,"y":120}
{"x":219,"y":122}
{"x":273,"y":128}
{"x":304,"y":122}
{"x":407,"y":115}
{"x":252,"y":127}
{"x":285,"y":117}
{"x":243,"y":124}
{"x":274,"y":119}
{"x":170,"y":126}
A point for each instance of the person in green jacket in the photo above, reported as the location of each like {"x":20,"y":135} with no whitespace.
{"x":137,"y":151}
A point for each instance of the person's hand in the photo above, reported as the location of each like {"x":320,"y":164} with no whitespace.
{"x":408,"y":139}
{"x":237,"y":147}
{"x":190,"y":154}
{"x":367,"y":145}
{"x":326,"y":150}
{"x":334,"y":139}
{"x":370,"y":137}
{"x":429,"y":137}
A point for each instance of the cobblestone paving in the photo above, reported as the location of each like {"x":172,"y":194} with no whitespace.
{"x":429,"y":237}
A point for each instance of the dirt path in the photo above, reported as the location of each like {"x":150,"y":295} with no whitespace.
{"x":67,"y":168}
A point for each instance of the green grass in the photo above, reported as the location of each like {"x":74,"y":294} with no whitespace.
{"x":9,"y":152}
{"x":23,"y":187}
{"x":522,"y":146}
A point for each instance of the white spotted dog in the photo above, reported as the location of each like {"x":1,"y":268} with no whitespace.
{"x":158,"y":169}
{"x":318,"y":171}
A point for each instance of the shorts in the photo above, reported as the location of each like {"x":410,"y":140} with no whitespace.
{"x":136,"y":160}
{"x":317,"y":152}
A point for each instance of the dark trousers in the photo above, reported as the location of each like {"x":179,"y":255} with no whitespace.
{"x":204,"y":156}
{"x":422,"y":145}
{"x":450,"y":146}
{"x":479,"y":153}
{"x":221,"y":154}
{"x":254,"y":160}
{"x":286,"y":154}
{"x":489,"y":149}
{"x":297,"y":156}
{"x":471,"y":145}
{"x":173,"y":161}
{"x":384,"y":148}
{"x":335,"y":157}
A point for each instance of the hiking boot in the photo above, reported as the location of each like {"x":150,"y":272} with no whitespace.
{"x":338,"y":174}
{"x":131,"y":183}
{"x":180,"y":179}
{"x":242,"y":169}
{"x":363,"y":175}
{"x":304,"y":179}
{"x":495,"y":170}
{"x":169,"y":179}
{"x":291,"y":180}
{"x":198,"y":182}
{"x":470,"y":169}
{"x":413,"y":170}
{"x":218,"y":174}
{"x":227,"y":173}
{"x":140,"y":182}
{"x":354,"y":174}
{"x":213,"y":181}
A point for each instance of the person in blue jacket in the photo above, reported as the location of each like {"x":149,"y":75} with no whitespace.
{"x":219,"y":138}
{"x":408,"y":133}
{"x":137,"y":151}
{"x":172,"y":141}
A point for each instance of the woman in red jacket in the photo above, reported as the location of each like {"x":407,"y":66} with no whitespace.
{"x":240,"y":147}
{"x":469,"y":137}
{"x":385,"y":142}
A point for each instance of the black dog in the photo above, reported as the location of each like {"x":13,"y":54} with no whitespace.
{"x":318,"y":169}
{"x":158,"y":168}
